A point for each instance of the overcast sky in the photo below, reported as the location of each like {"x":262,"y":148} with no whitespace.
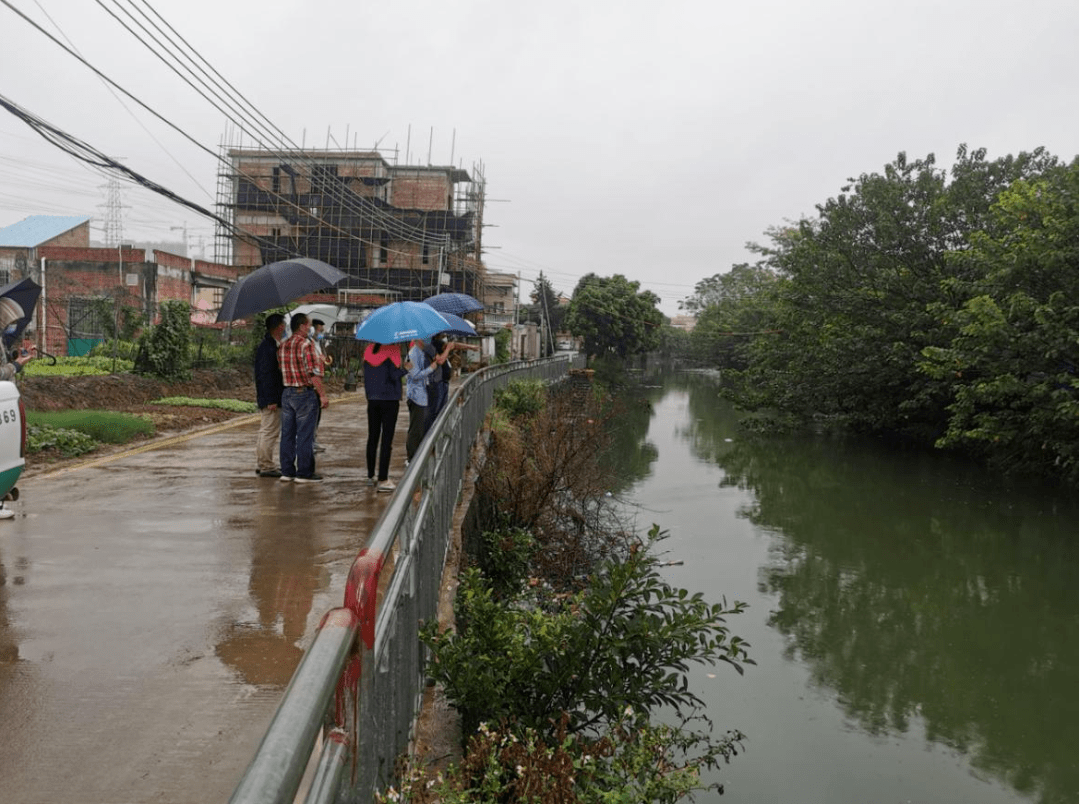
{"x":648,"y":139}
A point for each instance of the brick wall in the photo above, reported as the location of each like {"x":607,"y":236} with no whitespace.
{"x":91,"y":254}
{"x":79,"y":237}
{"x":421,"y":190}
{"x":67,"y":279}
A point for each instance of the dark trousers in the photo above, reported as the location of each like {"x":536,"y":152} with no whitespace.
{"x":417,"y":414}
{"x":381,"y":420}
{"x":437,"y":393}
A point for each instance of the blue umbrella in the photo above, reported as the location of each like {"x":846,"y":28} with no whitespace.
{"x":400,"y":322}
{"x":275,"y":285}
{"x":456,"y":303}
{"x":459,"y":326}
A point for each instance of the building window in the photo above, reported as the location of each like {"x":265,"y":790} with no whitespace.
{"x":275,"y":181}
{"x":427,"y":255}
{"x":384,"y":253}
{"x":85,"y":317}
{"x":5,"y":276}
{"x":275,"y":232}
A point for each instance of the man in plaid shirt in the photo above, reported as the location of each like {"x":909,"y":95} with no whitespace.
{"x":300,"y":403}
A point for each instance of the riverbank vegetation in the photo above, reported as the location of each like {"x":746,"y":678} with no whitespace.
{"x":936,"y":307}
{"x":568,"y":642}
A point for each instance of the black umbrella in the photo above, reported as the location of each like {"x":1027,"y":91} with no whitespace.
{"x":275,"y":285}
{"x":25,"y":293}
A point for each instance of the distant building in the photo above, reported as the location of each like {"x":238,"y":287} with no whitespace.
{"x":19,"y":242}
{"x":684,"y":322}
{"x":499,"y":297}
{"x":411,"y":230}
{"x":54,"y":251}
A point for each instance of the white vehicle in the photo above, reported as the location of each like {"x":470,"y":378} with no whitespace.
{"x":12,"y":444}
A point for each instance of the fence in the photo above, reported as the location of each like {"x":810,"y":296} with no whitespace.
{"x":366,"y":701}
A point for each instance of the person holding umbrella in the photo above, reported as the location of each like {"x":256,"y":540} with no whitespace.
{"x":268,"y":389}
{"x":382,"y":387}
{"x":10,"y":313}
{"x":301,"y":401}
{"x":416,"y":391}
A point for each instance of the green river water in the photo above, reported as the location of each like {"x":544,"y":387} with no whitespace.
{"x":913,"y":619}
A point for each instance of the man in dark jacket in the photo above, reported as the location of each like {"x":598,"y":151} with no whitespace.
{"x":268,"y":388}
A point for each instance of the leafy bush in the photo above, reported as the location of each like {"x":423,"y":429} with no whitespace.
{"x":627,"y":640}
{"x":521,"y":397}
{"x":70,"y":443}
{"x":635,"y":762}
{"x":77,"y":367}
{"x":105,"y":426}
{"x":124,"y":350}
{"x":235,"y":405}
{"x":505,"y":559}
{"x":165,"y":349}
{"x":502,"y":346}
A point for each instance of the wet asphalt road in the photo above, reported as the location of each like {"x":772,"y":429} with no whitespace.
{"x":154,"y":605}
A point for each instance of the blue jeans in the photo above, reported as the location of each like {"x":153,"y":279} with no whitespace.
{"x":299,"y":415}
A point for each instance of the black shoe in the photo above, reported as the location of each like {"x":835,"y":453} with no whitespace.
{"x":308,"y":479}
{"x":270,"y":473}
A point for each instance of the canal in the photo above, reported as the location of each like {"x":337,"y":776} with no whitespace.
{"x":913,"y":619}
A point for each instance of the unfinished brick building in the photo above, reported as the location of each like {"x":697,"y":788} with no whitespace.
{"x":404,"y":232}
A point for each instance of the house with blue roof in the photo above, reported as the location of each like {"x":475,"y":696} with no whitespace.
{"x":19,"y":242}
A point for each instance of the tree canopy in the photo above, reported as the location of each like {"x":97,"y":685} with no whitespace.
{"x":936,"y":305}
{"x":614,"y":317}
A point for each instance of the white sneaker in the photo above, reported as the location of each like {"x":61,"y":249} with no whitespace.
{"x":386,"y":487}
{"x":286,"y":479}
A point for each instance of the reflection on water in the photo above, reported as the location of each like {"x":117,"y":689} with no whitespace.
{"x":284,"y":579}
{"x":629,"y":449}
{"x":915,"y":590}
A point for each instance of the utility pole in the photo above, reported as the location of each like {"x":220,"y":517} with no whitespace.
{"x":184,"y":230}
{"x":114,"y":213}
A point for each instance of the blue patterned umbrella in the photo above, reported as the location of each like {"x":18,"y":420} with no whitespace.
{"x":400,"y":322}
{"x":456,"y":303}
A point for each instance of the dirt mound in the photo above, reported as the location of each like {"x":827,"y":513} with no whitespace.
{"x":123,"y":391}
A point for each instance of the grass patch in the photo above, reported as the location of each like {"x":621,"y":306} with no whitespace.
{"x":234,"y":405}
{"x":77,"y":367}
{"x":104,"y":426}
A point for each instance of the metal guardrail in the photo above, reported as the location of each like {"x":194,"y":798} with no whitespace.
{"x":377,"y":690}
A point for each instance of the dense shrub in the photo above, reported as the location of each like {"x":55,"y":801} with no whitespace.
{"x":521,"y":397}
{"x":165,"y":350}
{"x":70,"y":443}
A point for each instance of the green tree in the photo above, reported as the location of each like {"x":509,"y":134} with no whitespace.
{"x":1011,"y":365}
{"x":164,"y":350}
{"x":854,"y":302}
{"x":732,"y":308}
{"x":614,"y":317}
